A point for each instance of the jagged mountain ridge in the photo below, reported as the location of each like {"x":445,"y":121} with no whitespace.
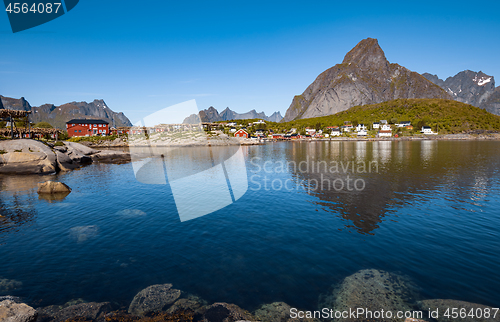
{"x":474,"y":88}
{"x":57,"y":116}
{"x":212,"y":115}
{"x":364,"y":77}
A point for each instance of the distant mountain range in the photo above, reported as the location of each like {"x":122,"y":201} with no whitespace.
{"x":57,"y":116}
{"x":474,"y":88}
{"x":212,"y":115}
{"x":364,"y":77}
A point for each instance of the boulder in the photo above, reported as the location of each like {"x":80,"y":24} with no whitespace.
{"x":372,"y":290}
{"x":443,"y":305}
{"x":26,"y":157}
{"x":80,"y":148}
{"x":110,"y":156}
{"x":154,"y":298}
{"x":91,"y":311}
{"x":224,"y":312}
{"x":192,"y":303}
{"x":52,"y":187}
{"x":11,"y":311}
{"x":65,"y":163}
{"x":274,"y":312}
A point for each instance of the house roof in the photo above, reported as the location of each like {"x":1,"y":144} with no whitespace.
{"x":85,"y":121}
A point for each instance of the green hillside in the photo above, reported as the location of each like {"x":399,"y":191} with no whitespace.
{"x":447,"y":115}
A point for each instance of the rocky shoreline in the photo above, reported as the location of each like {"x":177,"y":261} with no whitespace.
{"x":369,"y":289}
{"x":25,"y":156}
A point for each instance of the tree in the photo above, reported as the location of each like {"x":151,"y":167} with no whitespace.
{"x":44,"y":125}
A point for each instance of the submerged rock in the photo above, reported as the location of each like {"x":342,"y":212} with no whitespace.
{"x":83,"y":233}
{"x":224,"y":312}
{"x":372,"y":290}
{"x":131,"y":213}
{"x":91,"y":311}
{"x":7,"y":285}
{"x":52,"y":187}
{"x":154,"y":298}
{"x":443,"y":305}
{"x":17,"y":312}
{"x":274,"y":312}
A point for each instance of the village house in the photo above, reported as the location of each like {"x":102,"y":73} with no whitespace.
{"x":385,"y":131}
{"x":232,"y":130}
{"x":310,"y":131}
{"x":347,"y":127}
{"x":84,"y":127}
{"x":376,"y":125}
{"x":427,"y":130}
{"x":404,"y":124}
{"x":259,"y":122}
{"x":335,"y":130}
{"x":241,"y":134}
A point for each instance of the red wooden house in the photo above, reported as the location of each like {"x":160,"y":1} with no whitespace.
{"x":83,"y":127}
{"x":241,"y":134}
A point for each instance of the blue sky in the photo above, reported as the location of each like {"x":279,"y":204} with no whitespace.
{"x":143,"y":56}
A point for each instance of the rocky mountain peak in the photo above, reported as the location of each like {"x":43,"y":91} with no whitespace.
{"x":468,"y":86}
{"x":367,"y":53}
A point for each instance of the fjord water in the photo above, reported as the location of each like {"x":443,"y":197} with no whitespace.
{"x":430,"y":210}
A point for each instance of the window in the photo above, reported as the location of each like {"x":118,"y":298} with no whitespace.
{"x":75,"y":131}
{"x":72,"y":124}
{"x":95,"y":125}
{"x":100,"y":125}
{"x":80,"y":131}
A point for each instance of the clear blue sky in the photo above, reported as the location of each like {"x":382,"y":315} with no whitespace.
{"x":141,"y":56}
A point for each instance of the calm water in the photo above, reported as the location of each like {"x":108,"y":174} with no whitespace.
{"x":431,"y":210}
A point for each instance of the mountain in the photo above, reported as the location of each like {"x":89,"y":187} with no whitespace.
{"x":448,"y":116}
{"x":467,"y":86}
{"x":475,"y":88}
{"x":212,"y":115}
{"x":364,"y":77}
{"x":59,"y":115}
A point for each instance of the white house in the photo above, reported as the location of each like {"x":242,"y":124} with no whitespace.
{"x":335,"y":132}
{"x":259,"y":122}
{"x":383,"y":121}
{"x":360,"y":127}
{"x":427,"y":130}
{"x":310,"y":131}
{"x":232,"y":130}
{"x":362,"y":133}
{"x":376,"y":125}
{"x":231,"y":124}
{"x":385,"y":131}
{"x":404,"y":124}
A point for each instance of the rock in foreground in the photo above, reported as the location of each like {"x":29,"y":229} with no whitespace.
{"x":154,"y":298}
{"x":90,"y":311}
{"x":11,"y":311}
{"x":52,"y":187}
{"x":224,"y":312}
{"x":372,"y":290}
